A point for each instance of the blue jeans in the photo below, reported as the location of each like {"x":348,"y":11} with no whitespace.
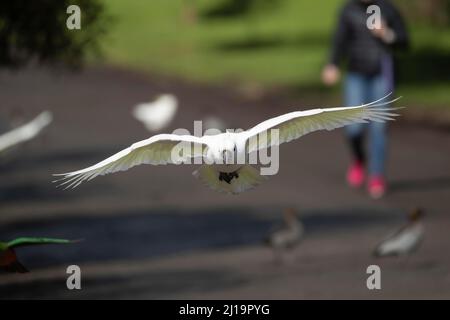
{"x":360,"y":89}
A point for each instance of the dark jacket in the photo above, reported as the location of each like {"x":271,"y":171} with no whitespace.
{"x":354,"y":42}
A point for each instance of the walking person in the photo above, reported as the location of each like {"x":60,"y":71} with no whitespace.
{"x":368,"y":53}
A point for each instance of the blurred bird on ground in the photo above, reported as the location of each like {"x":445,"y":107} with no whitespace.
{"x":404,"y":241}
{"x":287,"y":236}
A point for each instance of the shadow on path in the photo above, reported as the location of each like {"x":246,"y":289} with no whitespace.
{"x":152,"y":234}
{"x":427,"y":184}
{"x":148,"y":285}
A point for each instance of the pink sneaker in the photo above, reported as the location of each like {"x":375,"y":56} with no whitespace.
{"x":355,"y":175}
{"x":376,"y":187}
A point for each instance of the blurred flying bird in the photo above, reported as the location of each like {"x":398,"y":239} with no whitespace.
{"x":225,"y":156}
{"x":404,"y":241}
{"x":8,"y":258}
{"x":25,"y":132}
{"x":156,"y":115}
{"x":286,"y":236}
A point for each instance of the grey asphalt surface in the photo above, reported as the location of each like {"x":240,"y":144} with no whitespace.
{"x":157,"y":232}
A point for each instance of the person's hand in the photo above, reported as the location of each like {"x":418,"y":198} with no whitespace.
{"x":330,"y":74}
{"x":381,"y":31}
{"x":384,"y":33}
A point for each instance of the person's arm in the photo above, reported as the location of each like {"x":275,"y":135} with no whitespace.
{"x":331,"y":73}
{"x":393,"y":30}
{"x":398,"y":27}
{"x":340,"y":39}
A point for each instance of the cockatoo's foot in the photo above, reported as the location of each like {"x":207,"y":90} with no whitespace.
{"x":228,"y":176}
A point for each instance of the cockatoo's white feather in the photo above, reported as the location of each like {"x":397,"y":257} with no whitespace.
{"x":156,"y":150}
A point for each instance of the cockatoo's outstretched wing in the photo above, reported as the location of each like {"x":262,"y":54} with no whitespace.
{"x":298,"y":123}
{"x":25,"y":132}
{"x":156,"y":150}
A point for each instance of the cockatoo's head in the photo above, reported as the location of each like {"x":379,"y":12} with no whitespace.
{"x":225,"y":153}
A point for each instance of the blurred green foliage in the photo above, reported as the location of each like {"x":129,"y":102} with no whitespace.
{"x":280,"y":43}
{"x":36,"y":31}
{"x":431,"y":12}
{"x":236,"y":8}
{"x":284,"y":45}
{"x":264,"y":43}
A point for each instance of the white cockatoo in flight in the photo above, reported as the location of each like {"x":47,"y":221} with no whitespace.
{"x":218,"y":153}
{"x":156,"y":115}
{"x":26,"y":131}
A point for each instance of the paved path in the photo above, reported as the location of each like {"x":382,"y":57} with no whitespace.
{"x":156,"y":232}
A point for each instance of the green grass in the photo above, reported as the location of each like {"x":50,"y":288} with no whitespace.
{"x":283,"y":45}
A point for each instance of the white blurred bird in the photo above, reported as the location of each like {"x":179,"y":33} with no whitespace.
{"x":213,"y":125}
{"x":404,"y":241}
{"x":222,"y":153}
{"x":157,"y":115}
{"x":288,"y":235}
{"x":25,"y":132}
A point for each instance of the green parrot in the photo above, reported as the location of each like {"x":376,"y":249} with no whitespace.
{"x":8,"y":258}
